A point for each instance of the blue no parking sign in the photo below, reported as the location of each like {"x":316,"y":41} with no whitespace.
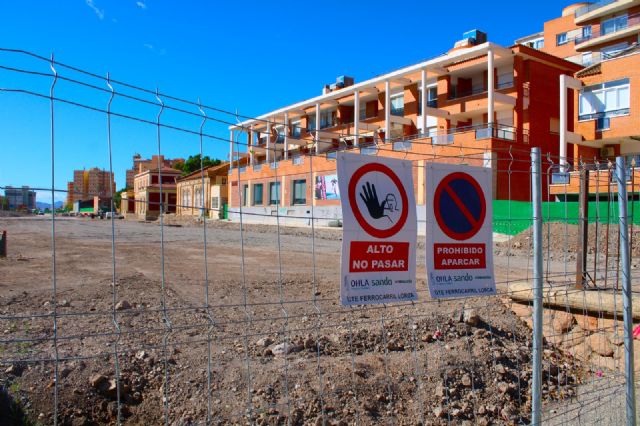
{"x":459,"y":238}
{"x":459,"y":206}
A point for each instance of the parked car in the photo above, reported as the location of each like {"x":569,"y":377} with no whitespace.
{"x":116,"y":215}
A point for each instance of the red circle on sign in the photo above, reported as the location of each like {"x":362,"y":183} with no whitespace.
{"x":476,"y":223}
{"x":369,"y":229}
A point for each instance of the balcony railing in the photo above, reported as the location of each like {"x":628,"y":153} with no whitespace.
{"x":505,"y":81}
{"x":405,"y":143}
{"x":632,"y":20}
{"x":446,"y":139}
{"x":402,"y":146}
{"x":369,"y":150}
{"x":257,"y":167}
{"x":593,"y":6}
{"x":497,"y":131}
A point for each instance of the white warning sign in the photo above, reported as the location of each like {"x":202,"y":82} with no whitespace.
{"x":379,"y":230}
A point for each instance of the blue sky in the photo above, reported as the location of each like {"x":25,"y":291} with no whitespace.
{"x":248,"y":56}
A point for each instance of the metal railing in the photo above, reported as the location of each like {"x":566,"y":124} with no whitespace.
{"x":593,"y":6}
{"x":632,"y":20}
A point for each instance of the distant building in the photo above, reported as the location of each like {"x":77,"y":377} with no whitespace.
{"x":88,"y":184}
{"x":140,"y":165}
{"x":190,"y":196}
{"x":20,"y":198}
{"x":146,"y":188}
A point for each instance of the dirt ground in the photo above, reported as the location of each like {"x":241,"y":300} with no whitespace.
{"x":258,"y":337}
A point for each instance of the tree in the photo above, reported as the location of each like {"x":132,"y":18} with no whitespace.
{"x":117,"y":198}
{"x":193,"y":163}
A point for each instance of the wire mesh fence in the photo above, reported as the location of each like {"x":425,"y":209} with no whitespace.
{"x":188,"y":319}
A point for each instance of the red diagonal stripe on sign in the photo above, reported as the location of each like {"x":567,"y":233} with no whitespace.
{"x":472,"y":220}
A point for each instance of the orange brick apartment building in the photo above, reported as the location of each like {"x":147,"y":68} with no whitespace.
{"x":480,"y":98}
{"x":602,"y":121}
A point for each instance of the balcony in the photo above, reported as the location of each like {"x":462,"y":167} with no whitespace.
{"x":602,"y":8}
{"x":568,"y":183}
{"x":620,"y":27}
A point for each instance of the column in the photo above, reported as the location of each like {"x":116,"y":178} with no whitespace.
{"x":563,"y":123}
{"x":269,"y":154}
{"x":252,"y":142}
{"x":231,"y":147}
{"x":317,"y":128}
{"x":387,"y":110}
{"x":490,"y":88}
{"x":423,"y":101}
{"x":286,"y":135}
{"x":356,"y":117}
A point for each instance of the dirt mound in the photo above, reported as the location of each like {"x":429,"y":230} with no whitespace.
{"x":560,"y":238}
{"x":432,"y":361}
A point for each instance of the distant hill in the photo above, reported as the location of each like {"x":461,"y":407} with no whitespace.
{"x":42,"y":206}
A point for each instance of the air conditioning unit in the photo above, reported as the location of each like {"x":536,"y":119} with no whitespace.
{"x":607,"y":151}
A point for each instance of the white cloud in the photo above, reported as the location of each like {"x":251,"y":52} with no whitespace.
{"x":141,"y":4}
{"x":99,"y":12}
{"x":154,"y":49}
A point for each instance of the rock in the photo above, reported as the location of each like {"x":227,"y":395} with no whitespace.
{"x":562,"y":321}
{"x":123,"y":305}
{"x":600,"y":344}
{"x":65,"y":372}
{"x":438,"y":412}
{"x":64,"y":303}
{"x":466,"y":381}
{"x":581,"y":351}
{"x":15,"y":369}
{"x":97,"y":381}
{"x":141,"y":355}
{"x":500,"y":369}
{"x":587,"y":322}
{"x":285,"y":349}
{"x":503,"y":387}
{"x":264,"y":342}
{"x":574,"y":337}
{"x":470,"y":317}
{"x":393,"y":345}
{"x":603,"y":362}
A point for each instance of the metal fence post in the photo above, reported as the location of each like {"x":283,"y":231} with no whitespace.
{"x":536,"y":194}
{"x":626,"y":289}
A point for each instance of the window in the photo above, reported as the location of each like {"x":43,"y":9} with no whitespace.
{"x":586,"y":32}
{"x":299,"y":191}
{"x":311,"y":123}
{"x":604,"y":100}
{"x":257,"y":194}
{"x":432,"y":98}
{"x":328,"y":118}
{"x":397,"y":104}
{"x":561,"y":39}
{"x":587,"y":59}
{"x":295,"y":129}
{"x":197,"y":197}
{"x":614,"y":24}
{"x":536,"y":44}
{"x":610,"y":51}
{"x":363,"y":111}
{"x":245,"y":194}
{"x":280,"y":133}
{"x":185,"y":198}
{"x":274,"y":193}
{"x":215,"y":202}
